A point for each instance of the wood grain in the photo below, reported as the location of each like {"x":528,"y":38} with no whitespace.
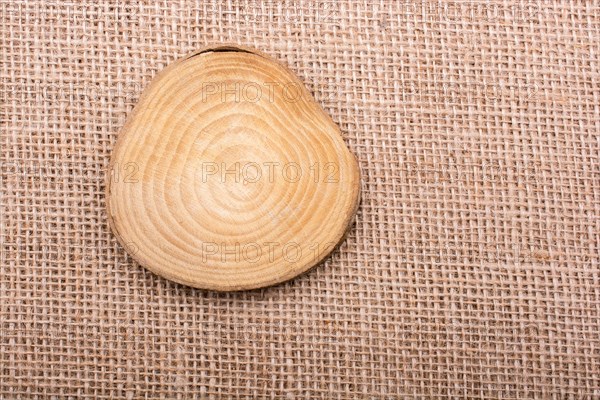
{"x":229,"y":176}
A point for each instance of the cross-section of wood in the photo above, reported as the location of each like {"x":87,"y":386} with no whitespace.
{"x":229,"y":176}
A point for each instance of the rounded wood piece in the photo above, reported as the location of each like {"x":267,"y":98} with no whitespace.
{"x":229,"y":176}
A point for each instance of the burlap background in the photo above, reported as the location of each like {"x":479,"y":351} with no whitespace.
{"x":473,"y":267}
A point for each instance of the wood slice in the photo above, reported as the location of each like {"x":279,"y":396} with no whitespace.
{"x":229,"y":176}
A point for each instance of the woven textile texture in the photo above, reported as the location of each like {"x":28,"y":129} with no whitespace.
{"x":473,"y":268}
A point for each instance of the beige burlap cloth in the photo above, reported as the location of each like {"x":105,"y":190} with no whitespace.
{"x":472,"y":269}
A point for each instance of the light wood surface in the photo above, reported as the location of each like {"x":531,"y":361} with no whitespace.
{"x":229,"y":176}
